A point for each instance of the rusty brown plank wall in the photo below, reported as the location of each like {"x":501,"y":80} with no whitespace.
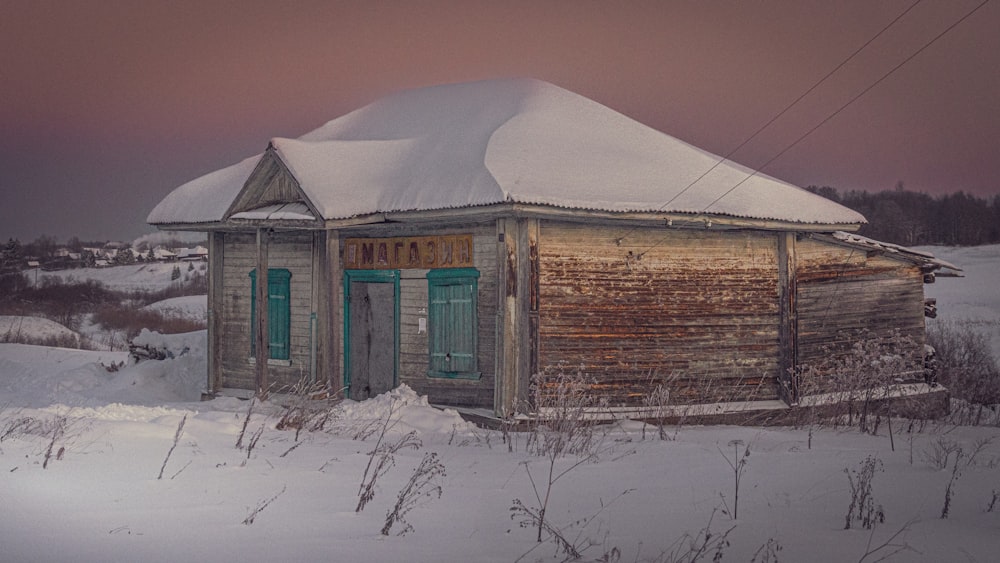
{"x":700,"y":306}
{"x":844,"y":295}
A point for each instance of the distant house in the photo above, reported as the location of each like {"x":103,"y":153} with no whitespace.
{"x":196,"y":254}
{"x":461,"y":239}
{"x":161,"y":254}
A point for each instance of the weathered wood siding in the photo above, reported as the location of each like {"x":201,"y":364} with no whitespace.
{"x":270,"y":183}
{"x":413,"y":345}
{"x":293,"y":251}
{"x":845,"y":294}
{"x":699,"y":310}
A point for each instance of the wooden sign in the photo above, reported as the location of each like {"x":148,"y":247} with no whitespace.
{"x":399,"y":253}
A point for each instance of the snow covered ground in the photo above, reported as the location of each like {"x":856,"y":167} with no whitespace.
{"x":191,"y":307}
{"x":14,"y":326}
{"x":975,"y":299}
{"x":99,"y":498}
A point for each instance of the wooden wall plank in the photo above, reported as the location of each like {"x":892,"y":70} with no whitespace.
{"x":698,"y":311}
{"x":845,"y":295}
{"x":293,"y":251}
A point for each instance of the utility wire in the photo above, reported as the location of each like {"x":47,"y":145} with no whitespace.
{"x":777,"y":116}
{"x":794,"y":102}
{"x":849,"y":102}
{"x":835,"y":113}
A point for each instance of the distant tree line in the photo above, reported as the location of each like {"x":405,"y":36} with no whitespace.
{"x":912,"y":218}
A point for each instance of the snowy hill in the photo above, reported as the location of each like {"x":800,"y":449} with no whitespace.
{"x":193,"y":307}
{"x":153,"y":276}
{"x":16,"y":328}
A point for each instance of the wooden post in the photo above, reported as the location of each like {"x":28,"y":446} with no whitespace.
{"x":319,"y":305}
{"x":261,"y":344}
{"x":788,"y":319}
{"x":517,"y":312}
{"x":216,"y":243}
{"x":334,"y":315}
{"x":505,"y":396}
{"x":527,"y":257}
{"x":326,"y":281}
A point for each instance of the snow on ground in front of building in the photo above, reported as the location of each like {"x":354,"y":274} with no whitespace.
{"x":100,"y":499}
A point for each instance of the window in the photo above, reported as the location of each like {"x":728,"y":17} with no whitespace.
{"x":278,"y":312}
{"x":452,"y":323}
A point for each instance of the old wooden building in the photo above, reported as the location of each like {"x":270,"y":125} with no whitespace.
{"x":462,"y":238}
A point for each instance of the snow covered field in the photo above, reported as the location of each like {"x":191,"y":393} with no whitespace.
{"x":975,"y":299}
{"x":191,"y":307}
{"x":12,"y":326}
{"x":99,"y":498}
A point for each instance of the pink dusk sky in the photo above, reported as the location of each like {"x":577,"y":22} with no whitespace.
{"x":107,"y":106}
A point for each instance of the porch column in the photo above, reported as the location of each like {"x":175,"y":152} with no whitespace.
{"x":788,"y":328}
{"x":216,"y":242}
{"x":261,"y":344}
{"x":517,"y":357}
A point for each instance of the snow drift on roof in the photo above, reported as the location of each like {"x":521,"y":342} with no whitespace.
{"x":494,"y":141}
{"x":890,"y":248}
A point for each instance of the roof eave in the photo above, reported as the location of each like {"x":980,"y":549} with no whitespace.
{"x":677,"y":219}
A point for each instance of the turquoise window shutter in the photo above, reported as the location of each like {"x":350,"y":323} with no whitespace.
{"x":453,"y":322}
{"x":278,"y":313}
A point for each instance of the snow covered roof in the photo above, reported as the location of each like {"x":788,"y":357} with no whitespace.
{"x":294,"y":211}
{"x":911,"y":254}
{"x":160,"y":252}
{"x":496,"y":141}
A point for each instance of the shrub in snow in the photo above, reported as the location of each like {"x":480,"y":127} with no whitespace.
{"x":705,"y":545}
{"x":308,"y":406}
{"x":738,"y":464}
{"x":383,"y":457}
{"x":562,"y":428}
{"x":424,"y":483}
{"x":966,"y":366}
{"x":262,"y":505}
{"x":177,"y":437}
{"x":863,"y":507}
{"x":656,"y":404}
{"x":859,"y":379}
{"x":939,"y":452}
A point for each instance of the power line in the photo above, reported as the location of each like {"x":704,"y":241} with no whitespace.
{"x":794,"y":102}
{"x":777,"y":116}
{"x":849,"y":102}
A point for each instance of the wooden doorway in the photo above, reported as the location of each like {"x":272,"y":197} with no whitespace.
{"x":371,"y":329}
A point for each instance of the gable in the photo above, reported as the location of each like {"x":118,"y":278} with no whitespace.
{"x":270,"y":186}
